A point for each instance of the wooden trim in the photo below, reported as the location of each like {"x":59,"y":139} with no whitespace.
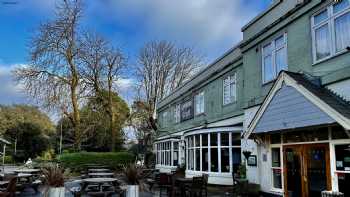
{"x":301,"y":150}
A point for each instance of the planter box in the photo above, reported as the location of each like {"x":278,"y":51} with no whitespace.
{"x":56,"y":192}
{"x":132,"y":191}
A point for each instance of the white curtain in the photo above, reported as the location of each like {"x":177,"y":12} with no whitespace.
{"x":342,"y":32}
{"x":322,"y":42}
{"x":281,"y":59}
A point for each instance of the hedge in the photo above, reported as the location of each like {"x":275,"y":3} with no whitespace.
{"x":78,"y":161}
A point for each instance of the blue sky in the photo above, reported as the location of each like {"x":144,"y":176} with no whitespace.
{"x":210,"y":26}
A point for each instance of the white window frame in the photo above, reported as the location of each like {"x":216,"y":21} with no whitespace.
{"x":163,"y":150}
{"x":165,"y":118}
{"x":231,"y":82}
{"x":193,"y":161}
{"x":273,"y":56}
{"x":331,"y":28}
{"x":279,"y":168}
{"x":199,"y":104}
{"x":177,"y":113}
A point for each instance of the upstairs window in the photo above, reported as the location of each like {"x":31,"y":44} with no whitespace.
{"x":177,"y":113}
{"x":331,"y":30}
{"x":199,"y":103}
{"x":165,"y":118}
{"x":274,"y":58}
{"x":229,"y":89}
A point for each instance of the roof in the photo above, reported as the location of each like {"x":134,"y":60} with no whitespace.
{"x":336,"y":102}
{"x":311,"y":88}
{"x":227,"y":58}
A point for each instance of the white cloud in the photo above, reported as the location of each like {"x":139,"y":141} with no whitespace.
{"x":10,"y":91}
{"x":206,"y":24}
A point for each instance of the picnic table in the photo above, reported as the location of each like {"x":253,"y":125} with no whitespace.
{"x":27,"y":171}
{"x":99,"y":181}
{"x":101,"y":174}
{"x":99,"y":170}
{"x":4,"y":183}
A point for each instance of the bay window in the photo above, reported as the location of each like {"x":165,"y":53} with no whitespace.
{"x":229,"y":89}
{"x":218,"y":152}
{"x":331,"y":30}
{"x":274,"y":58}
{"x":167,"y":153}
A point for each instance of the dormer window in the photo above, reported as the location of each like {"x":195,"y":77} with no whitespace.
{"x":274,"y":58}
{"x":331,"y":31}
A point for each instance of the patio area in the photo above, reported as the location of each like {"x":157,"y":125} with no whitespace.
{"x":105,"y":174}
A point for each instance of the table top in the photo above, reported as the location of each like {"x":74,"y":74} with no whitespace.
{"x":4,"y":182}
{"x":100,"y":180}
{"x":26,"y":170}
{"x":23,"y":175}
{"x":101,"y":174}
{"x":182,"y":179}
{"x":99,"y":170}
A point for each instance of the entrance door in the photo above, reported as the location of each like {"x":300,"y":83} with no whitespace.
{"x":307,"y":170}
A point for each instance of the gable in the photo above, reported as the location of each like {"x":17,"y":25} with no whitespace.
{"x":290,"y":109}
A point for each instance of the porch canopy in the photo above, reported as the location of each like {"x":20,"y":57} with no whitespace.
{"x":297,"y":101}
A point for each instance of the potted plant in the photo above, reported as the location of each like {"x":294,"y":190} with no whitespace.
{"x":53,"y":181}
{"x":242,"y":171}
{"x":133,"y":178}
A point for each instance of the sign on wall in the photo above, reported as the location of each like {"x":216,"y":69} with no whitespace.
{"x":187,"y":110}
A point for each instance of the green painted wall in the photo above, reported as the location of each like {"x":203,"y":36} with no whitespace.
{"x":251,"y":91}
{"x":300,"y":59}
{"x":214,"y":108}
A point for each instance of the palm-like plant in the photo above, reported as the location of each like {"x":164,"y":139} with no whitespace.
{"x":53,"y":176}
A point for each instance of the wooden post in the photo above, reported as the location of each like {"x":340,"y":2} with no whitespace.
{"x":3,"y":158}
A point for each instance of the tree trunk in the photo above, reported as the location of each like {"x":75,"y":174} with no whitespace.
{"x":76,"y":114}
{"x":113,"y":130}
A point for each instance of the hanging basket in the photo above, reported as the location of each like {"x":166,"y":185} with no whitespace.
{"x":247,"y":154}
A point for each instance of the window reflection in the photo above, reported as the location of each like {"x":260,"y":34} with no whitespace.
{"x":205,"y":157}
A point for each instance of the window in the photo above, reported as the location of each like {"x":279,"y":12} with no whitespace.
{"x":276,"y":168}
{"x":331,"y":30}
{"x":214,"y":152}
{"x":229,"y":89}
{"x":167,"y":153}
{"x":177,"y":113}
{"x":165,"y":119}
{"x":274,"y":58}
{"x":342,"y":156}
{"x":199,"y":103}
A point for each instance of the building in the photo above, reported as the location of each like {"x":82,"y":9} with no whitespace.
{"x":285,"y":90}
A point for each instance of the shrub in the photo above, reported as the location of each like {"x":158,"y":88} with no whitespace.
{"x":78,"y":161}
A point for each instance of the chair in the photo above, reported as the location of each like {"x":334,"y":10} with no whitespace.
{"x":10,"y":190}
{"x":196,"y":187}
{"x":205,"y":184}
{"x":164,"y":183}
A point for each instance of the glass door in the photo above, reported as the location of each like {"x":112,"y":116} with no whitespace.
{"x":293,"y":172}
{"x":317,"y":169}
{"x":307,"y":170}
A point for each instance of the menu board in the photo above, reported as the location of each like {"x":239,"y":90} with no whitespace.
{"x":187,"y":110}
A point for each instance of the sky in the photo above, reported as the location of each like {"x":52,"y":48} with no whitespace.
{"x":211,"y":27}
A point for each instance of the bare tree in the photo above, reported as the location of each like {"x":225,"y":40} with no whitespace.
{"x":52,"y":77}
{"x":103,"y":66}
{"x":162,"y":67}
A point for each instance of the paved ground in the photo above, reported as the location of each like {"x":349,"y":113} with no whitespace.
{"x":214,"y":191}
